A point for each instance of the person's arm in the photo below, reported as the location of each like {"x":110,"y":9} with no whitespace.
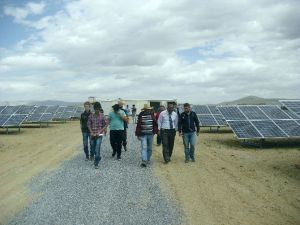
{"x":89,"y":123}
{"x":180,"y":125}
{"x":160,"y":121}
{"x":138,"y":127}
{"x":176,"y":121}
{"x":81,"y":121}
{"x":104,"y":125}
{"x":197,"y":123}
{"x":122,"y":115}
{"x":154,"y":123}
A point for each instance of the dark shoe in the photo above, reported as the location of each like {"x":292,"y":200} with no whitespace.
{"x":143,"y":164}
{"x":186,"y":161}
{"x":86,"y":158}
{"x":193,"y":160}
{"x":113,"y":155}
{"x":125,"y":148}
{"x":119,"y":158}
{"x":92,"y":158}
{"x":96,"y":167}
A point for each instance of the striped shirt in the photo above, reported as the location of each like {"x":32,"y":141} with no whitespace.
{"x":164,"y":120}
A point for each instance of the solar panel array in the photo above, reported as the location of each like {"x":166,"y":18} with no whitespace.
{"x":78,"y":112}
{"x":12,"y":116}
{"x":15,"y":115}
{"x":292,"y":105}
{"x":259,"y":122}
{"x":209,"y":115}
{"x":37,"y":114}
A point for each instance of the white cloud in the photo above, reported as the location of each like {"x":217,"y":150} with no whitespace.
{"x":20,"y":13}
{"x":129,"y":49}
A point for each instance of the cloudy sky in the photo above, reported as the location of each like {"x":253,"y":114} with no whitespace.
{"x":192,"y":50}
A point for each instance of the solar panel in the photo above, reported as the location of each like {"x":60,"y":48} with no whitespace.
{"x":290,"y":127}
{"x":231,"y":113}
{"x":78,"y":112}
{"x":10,"y":110}
{"x":219,"y":118}
{"x":268,"y":129}
{"x":291,"y":103}
{"x":34,"y":117}
{"x":15,"y":120}
{"x":59,"y":112}
{"x":3,"y":119}
{"x":296,"y":110}
{"x":52,"y":109}
{"x":66,"y":115}
{"x":274,"y":112}
{"x":252,"y":112}
{"x":2,"y":107}
{"x":46,"y":117}
{"x":292,"y":114}
{"x":200,"y":109}
{"x":40,"y":109}
{"x":213,"y":109}
{"x":244,"y":129}
{"x":207,"y":120}
{"x":70,"y":109}
{"x":25,"y":109}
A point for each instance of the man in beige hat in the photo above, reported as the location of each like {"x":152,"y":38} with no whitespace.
{"x":145,"y":129}
{"x":124,"y":135}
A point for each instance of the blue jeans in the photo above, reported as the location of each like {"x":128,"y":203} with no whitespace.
{"x":189,"y":142}
{"x":85,"y":139}
{"x":96,"y":146}
{"x":146,"y":146}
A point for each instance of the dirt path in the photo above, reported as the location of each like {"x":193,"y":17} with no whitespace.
{"x":231,"y":185}
{"x":26,"y":154}
{"x":228,"y":184}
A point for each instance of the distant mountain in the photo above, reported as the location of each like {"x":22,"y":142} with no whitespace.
{"x":253,"y":100}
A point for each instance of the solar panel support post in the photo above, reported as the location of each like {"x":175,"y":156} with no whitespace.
{"x":253,"y":143}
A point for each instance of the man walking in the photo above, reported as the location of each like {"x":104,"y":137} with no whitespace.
{"x":158,"y":136}
{"x":188,"y":120}
{"x":167,"y":122}
{"x":85,"y":131}
{"x":116,"y":122}
{"x":133,"y":114}
{"x":97,"y":127}
{"x":145,"y":129}
{"x":124,"y":135}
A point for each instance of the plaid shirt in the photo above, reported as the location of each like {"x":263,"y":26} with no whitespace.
{"x":96,"y":122}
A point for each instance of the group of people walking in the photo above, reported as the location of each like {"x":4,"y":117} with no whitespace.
{"x":163,"y":124}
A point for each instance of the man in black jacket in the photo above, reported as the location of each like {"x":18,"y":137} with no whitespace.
{"x":187,"y":124}
{"x":85,"y":131}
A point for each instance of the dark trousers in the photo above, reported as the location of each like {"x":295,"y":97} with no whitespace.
{"x":158,"y":139}
{"x":116,"y":138}
{"x":168,"y":138}
{"x":124,"y":140}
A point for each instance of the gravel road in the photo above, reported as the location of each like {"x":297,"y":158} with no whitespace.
{"x":119,"y":192}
